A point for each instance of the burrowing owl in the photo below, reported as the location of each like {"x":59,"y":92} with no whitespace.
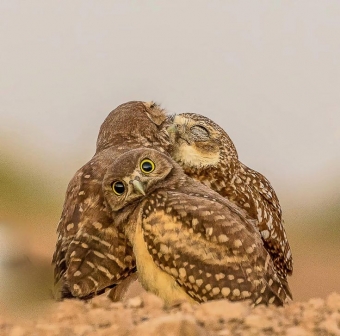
{"x":206,"y":153}
{"x":91,"y":253}
{"x":190,"y":243}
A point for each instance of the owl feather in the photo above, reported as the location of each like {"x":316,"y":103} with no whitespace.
{"x":190,"y":243}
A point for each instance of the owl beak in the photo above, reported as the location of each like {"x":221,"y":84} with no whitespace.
{"x":178,"y":134}
{"x":171,"y":129}
{"x":138,"y":186}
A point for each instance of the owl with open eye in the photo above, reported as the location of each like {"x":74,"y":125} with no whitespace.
{"x":207,"y":154}
{"x":189,"y":242}
{"x":91,"y":253}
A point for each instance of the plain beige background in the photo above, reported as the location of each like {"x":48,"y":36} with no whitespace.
{"x":267,"y":71}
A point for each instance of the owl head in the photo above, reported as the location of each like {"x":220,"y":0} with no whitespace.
{"x":137,"y":119}
{"x":137,"y":173}
{"x":199,"y":142}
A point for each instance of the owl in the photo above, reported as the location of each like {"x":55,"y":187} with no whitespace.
{"x":189,"y":242}
{"x":91,"y":253}
{"x":207,"y":154}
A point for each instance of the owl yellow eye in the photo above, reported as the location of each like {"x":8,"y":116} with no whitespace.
{"x":147,"y":166}
{"x":118,"y":188}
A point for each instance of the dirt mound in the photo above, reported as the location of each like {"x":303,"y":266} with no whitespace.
{"x":146,"y":315}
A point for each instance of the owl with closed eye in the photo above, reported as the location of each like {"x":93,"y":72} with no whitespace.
{"x":189,"y":242}
{"x":91,"y":253}
{"x":207,"y":154}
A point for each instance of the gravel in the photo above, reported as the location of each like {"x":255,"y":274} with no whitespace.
{"x":146,"y":315}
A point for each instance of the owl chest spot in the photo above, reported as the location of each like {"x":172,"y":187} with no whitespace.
{"x":152,"y":278}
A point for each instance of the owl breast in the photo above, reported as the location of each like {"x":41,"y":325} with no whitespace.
{"x":152,"y":277}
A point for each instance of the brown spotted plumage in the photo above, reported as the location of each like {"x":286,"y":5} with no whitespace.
{"x":190,"y":243}
{"x":206,"y":153}
{"x":91,"y":253}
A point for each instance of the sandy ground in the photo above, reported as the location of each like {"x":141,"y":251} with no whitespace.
{"x":146,"y":315}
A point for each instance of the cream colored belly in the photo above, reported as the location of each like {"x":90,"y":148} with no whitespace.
{"x":152,"y":278}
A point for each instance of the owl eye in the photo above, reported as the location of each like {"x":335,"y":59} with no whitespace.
{"x":147,"y":166}
{"x":199,"y":131}
{"x":118,"y":188}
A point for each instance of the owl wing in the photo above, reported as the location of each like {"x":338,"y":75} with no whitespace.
{"x":210,"y":248}
{"x":91,"y":253}
{"x":272,"y":228}
{"x":266,"y":191}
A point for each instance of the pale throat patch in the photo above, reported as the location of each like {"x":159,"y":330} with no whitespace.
{"x":190,"y":156}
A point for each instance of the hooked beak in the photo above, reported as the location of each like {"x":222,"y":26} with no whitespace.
{"x":171,"y":129}
{"x":176,"y":135}
{"x":138,"y":186}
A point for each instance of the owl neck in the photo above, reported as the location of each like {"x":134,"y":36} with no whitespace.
{"x":225,"y":170}
{"x":125,"y":219}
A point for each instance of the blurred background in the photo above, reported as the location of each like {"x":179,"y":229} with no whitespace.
{"x":267,"y":72}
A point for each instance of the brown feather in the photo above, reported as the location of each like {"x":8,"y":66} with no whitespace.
{"x":220,"y":169}
{"x":189,"y":242}
{"x":91,"y":253}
